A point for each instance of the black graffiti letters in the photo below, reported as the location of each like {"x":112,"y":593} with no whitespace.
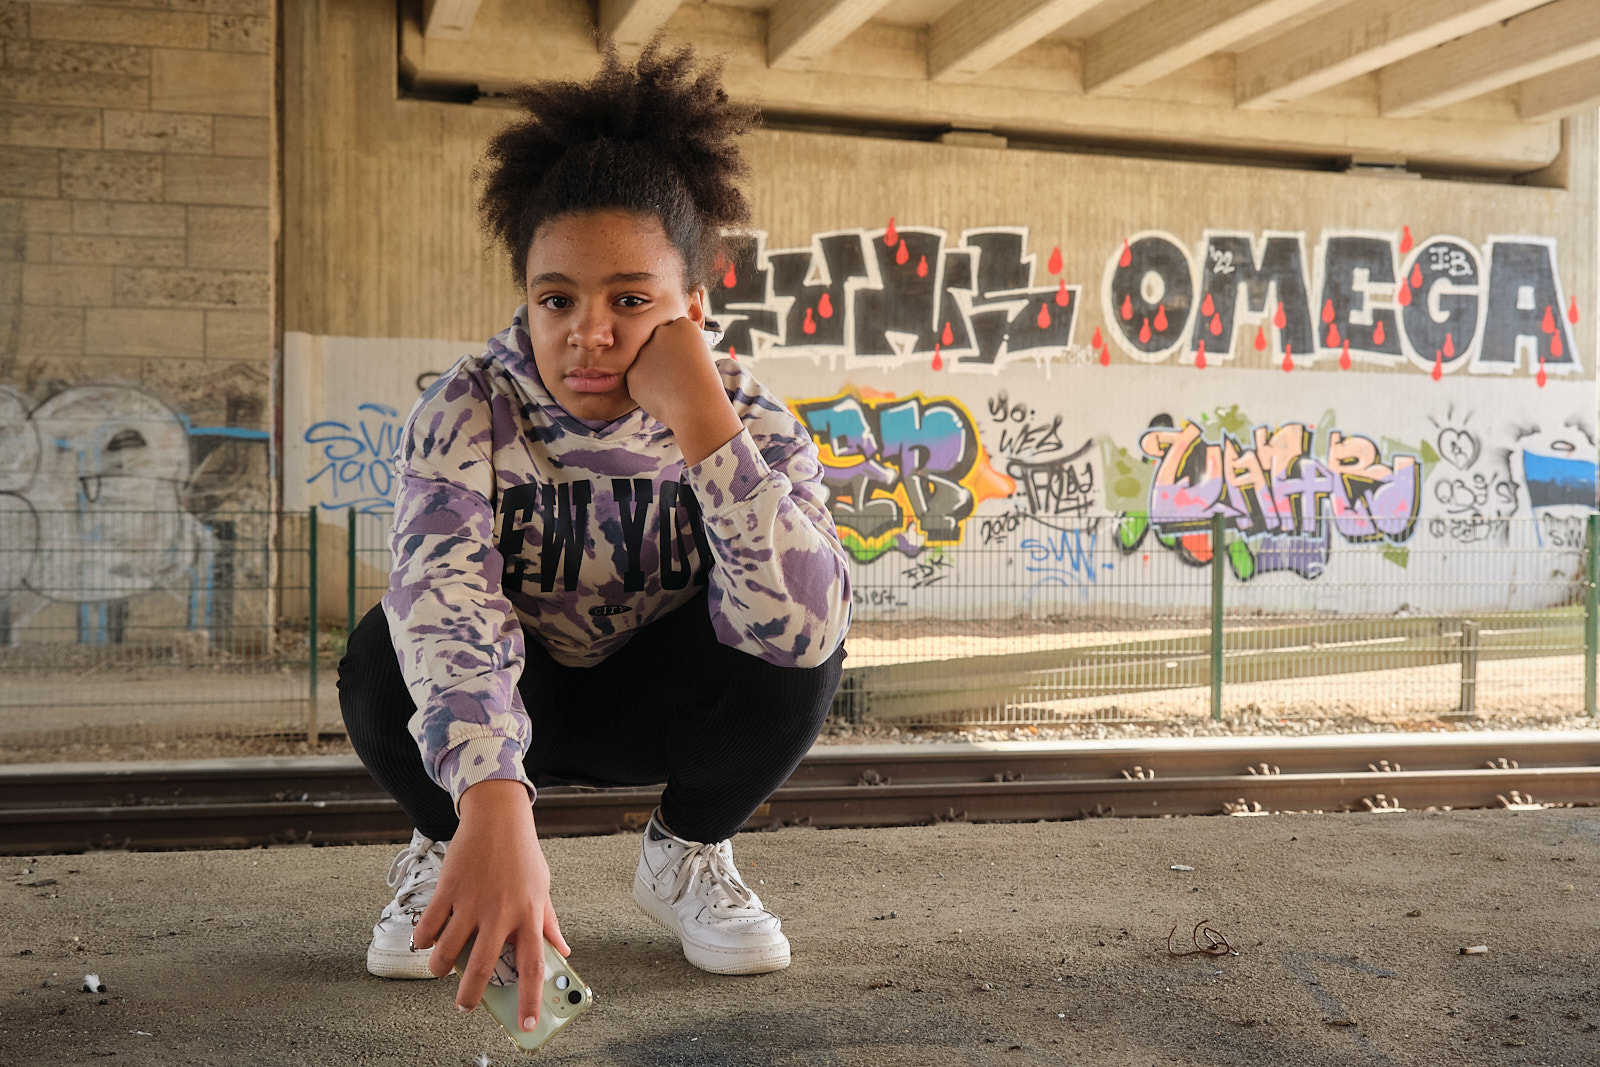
{"x":1151,"y":295}
{"x":1355,"y":272}
{"x":1274,"y":287}
{"x":1441,"y":314}
{"x":1525,"y":324}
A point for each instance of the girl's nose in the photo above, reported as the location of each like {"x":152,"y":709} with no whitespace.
{"x":591,"y":329}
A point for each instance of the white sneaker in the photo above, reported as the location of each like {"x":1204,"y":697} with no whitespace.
{"x":413,"y":875}
{"x":694,"y":890}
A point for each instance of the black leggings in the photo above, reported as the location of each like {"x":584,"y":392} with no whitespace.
{"x":722,"y":728}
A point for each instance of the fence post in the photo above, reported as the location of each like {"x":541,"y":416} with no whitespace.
{"x":1217,"y":550}
{"x":350,"y":574}
{"x":311,"y":624}
{"x":1591,"y":615}
{"x":1469,"y":668}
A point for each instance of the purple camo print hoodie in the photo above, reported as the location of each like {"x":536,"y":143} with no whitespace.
{"x":515,"y":519}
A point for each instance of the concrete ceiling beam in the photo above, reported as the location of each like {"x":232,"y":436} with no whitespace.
{"x":1170,"y":34}
{"x":980,"y":34}
{"x":798,"y":31}
{"x":1544,"y":39}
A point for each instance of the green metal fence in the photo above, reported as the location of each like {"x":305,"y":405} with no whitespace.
{"x":122,"y":627}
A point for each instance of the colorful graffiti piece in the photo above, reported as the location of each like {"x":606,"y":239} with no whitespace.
{"x":901,"y":472}
{"x":1280,"y":500}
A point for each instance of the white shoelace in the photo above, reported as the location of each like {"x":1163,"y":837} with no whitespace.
{"x":712,"y":865}
{"x":417,"y":866}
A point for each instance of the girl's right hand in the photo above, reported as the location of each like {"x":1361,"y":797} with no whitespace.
{"x":494,"y":887}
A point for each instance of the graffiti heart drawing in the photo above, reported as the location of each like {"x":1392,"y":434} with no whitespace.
{"x":1459,"y":447}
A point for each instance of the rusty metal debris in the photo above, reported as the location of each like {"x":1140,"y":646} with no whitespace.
{"x":872,"y":777}
{"x":1501,"y":764}
{"x":1382,"y":805}
{"x":1217,"y":943}
{"x":1264,"y":768}
{"x":1140,"y":773}
{"x":1383,"y":766}
{"x":1519,"y":802}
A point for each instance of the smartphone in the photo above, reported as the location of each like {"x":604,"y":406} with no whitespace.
{"x":565,"y":995}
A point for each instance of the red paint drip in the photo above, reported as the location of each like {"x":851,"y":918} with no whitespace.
{"x":1207,"y":307}
{"x":890,"y":234}
{"x":1261,"y":339}
{"x":1063,"y":294}
{"x":1556,"y":347}
{"x":1416,"y":275}
{"x":1438,"y":366}
{"x":1200,"y":357}
{"x":1161,"y":317}
{"x":938,"y":360}
{"x":810,"y":325}
{"x":1127,"y":307}
{"x":1216,"y":326}
{"x":1126,"y":259}
{"x":1344,"y":357}
{"x":733,"y":353}
{"x":1403,"y":297}
{"x":1044,"y":317}
{"x":949,"y":335}
{"x":1054,"y":265}
{"x":1096,"y":340}
{"x":1405,"y":239}
{"x":1449,"y":349}
{"x":1541,"y":377}
{"x":1548,"y":325}
{"x":1377,"y":333}
{"x":903,"y":253}
{"x":1333,"y":335}
{"x":1327,"y":310}
{"x":1105,"y":356}
{"x":1572,"y":311}
{"x":1278,"y":317}
{"x":1144,"y":332}
{"x":730,"y":279}
{"x":1288,"y":357}
{"x":922,"y":266}
{"x":825,"y":306}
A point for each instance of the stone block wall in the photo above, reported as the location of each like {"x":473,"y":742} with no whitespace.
{"x":136,"y":266}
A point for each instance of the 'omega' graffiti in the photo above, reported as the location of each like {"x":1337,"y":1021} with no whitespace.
{"x":891,"y":462}
{"x":1375,"y":298}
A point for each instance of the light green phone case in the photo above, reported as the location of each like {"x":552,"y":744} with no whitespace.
{"x":565,"y":996}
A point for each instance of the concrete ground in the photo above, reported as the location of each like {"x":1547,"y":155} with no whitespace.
{"x":947,"y":944}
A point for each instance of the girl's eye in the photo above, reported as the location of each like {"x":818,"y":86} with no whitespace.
{"x":633,"y":301}
{"x":555,"y":302}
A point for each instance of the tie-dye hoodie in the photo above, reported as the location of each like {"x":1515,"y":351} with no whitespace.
{"x":513,"y":518}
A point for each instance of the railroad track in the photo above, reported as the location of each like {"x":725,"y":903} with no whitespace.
{"x":331,"y":800}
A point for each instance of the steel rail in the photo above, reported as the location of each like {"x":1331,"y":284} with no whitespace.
{"x":236,"y":803}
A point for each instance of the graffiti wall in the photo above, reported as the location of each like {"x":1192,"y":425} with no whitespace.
{"x":1011,"y":425}
{"x":119,"y":513}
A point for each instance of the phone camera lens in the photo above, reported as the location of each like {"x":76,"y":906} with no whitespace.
{"x":562,"y":981}
{"x":574,"y":997}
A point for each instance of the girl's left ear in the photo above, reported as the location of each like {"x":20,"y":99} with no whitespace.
{"x":697,"y":306}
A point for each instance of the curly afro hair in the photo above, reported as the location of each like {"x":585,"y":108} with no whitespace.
{"x":656,"y":138}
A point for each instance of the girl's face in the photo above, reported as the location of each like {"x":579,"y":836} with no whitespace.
{"x":598,"y":284}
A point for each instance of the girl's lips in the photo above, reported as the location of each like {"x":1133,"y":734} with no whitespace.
{"x":593,"y":383}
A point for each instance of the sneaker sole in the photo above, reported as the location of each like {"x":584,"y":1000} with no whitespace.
{"x":405,"y":965}
{"x":714,"y":959}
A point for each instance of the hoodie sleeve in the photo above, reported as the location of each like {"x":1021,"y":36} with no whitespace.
{"x":457,"y":637}
{"x":780,"y":585}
